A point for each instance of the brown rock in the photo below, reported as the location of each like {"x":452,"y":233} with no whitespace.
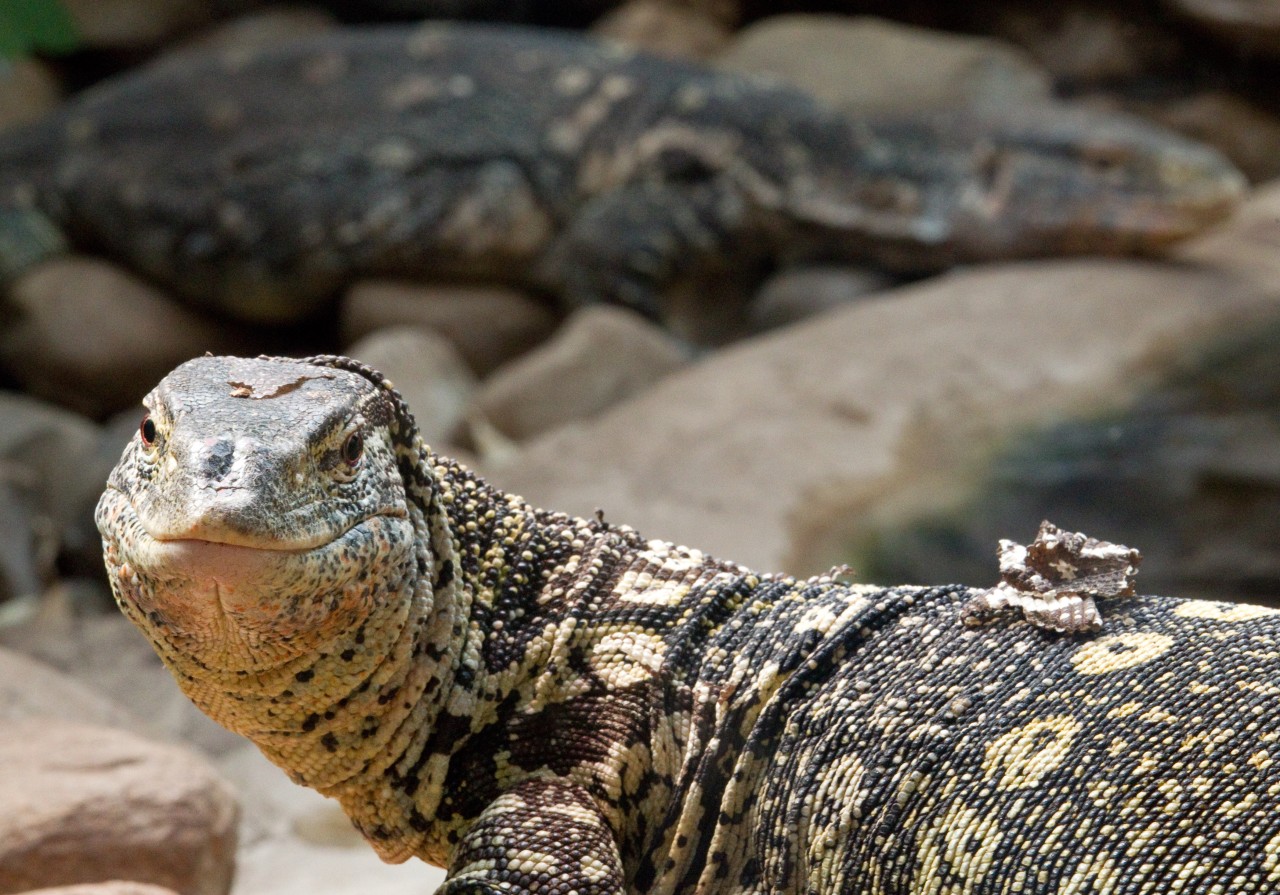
{"x":142,"y":24}
{"x":798,"y":293}
{"x":31,"y":689}
{"x":92,"y":337}
{"x":487,"y":324}
{"x":1084,"y":43}
{"x":1248,"y":244}
{"x":107,"y":654}
{"x":600,"y":357}
{"x":28,"y":90}
{"x":294,"y":841}
{"x":873,"y":66}
{"x":1253,"y":26}
{"x":427,"y":370}
{"x":665,"y":29}
{"x":263,"y":28}
{"x":94,"y":804}
{"x":755,"y":453}
{"x":1244,"y":132}
{"x":48,"y":483}
{"x":113,"y":887}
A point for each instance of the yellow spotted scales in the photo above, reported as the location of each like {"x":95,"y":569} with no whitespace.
{"x":545,"y":704}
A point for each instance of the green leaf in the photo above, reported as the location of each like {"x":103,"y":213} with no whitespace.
{"x":41,"y":26}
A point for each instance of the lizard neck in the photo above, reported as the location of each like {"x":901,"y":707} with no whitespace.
{"x":489,"y":556}
{"x":577,"y":654}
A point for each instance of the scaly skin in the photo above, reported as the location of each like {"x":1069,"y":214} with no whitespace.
{"x":263,"y":182}
{"x":548,"y":704}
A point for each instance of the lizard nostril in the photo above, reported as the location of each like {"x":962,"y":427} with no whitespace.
{"x":217,"y":462}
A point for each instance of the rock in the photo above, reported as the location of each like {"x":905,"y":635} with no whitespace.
{"x":294,"y":841}
{"x":48,"y":483}
{"x":427,"y":370}
{"x":263,"y":28}
{"x":114,"y":887}
{"x":28,"y":90}
{"x":107,"y":654}
{"x":1189,"y":470}
{"x":94,"y":804}
{"x":141,"y":24}
{"x":760,"y":452}
{"x":80,"y":550}
{"x":1252,"y":26}
{"x":32,"y":689}
{"x":52,"y":445}
{"x":289,"y":866}
{"x":362,"y":11}
{"x":1246,"y":133}
{"x":797,"y":293}
{"x":872,"y":66}
{"x":29,"y":548}
{"x":1083,"y":44}
{"x":600,"y":357}
{"x":125,"y":336}
{"x":664,"y":28}
{"x":1248,"y":244}
{"x":489,"y":325}
{"x":271,"y":804}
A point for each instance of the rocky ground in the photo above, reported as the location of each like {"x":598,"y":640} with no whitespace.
{"x":852,"y":418}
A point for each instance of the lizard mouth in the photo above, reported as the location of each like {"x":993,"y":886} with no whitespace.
{"x":205,"y":596}
{"x":232,"y":561}
{"x":228,"y":565}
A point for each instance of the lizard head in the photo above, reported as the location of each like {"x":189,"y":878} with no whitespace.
{"x":1075,"y":180}
{"x":258,"y":512}
{"x":941,"y":188}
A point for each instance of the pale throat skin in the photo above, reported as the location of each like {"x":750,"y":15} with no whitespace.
{"x":547,"y":704}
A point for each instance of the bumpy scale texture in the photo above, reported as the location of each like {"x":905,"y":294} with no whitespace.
{"x":548,"y":704}
{"x":264,"y":181}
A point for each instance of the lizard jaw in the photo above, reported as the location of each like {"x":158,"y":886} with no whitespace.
{"x":200,"y":596}
{"x":230,"y":566}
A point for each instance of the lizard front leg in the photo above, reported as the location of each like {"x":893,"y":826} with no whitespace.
{"x":635,"y":244}
{"x":545,"y":835}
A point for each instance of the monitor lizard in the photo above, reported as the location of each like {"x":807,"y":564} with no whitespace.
{"x":262,"y":182}
{"x":549,"y":704}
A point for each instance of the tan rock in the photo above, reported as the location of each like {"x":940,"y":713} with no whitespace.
{"x":51,"y":445}
{"x":600,"y":357}
{"x":487,"y":324}
{"x":289,"y":866}
{"x":264,"y":28}
{"x":94,"y":338}
{"x":1084,"y":43}
{"x":1253,"y":26}
{"x":49,"y":483}
{"x":28,"y":90}
{"x":664,"y":28}
{"x":427,"y":370}
{"x":135,"y":24}
{"x":746,"y":454}
{"x":795,"y":294}
{"x":32,"y":689}
{"x":113,"y":887}
{"x":872,"y":66}
{"x":294,"y":841}
{"x":1248,"y":244}
{"x":94,"y":804}
{"x":1246,"y":133}
{"x":105,"y":654}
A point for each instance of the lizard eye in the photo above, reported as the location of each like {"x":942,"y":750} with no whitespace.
{"x":147,"y":431}
{"x":353,"y":449}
